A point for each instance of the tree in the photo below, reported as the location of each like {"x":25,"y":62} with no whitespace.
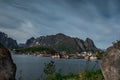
{"x":49,"y":68}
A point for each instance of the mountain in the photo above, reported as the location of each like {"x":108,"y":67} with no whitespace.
{"x":62,"y":42}
{"x":89,"y":44}
{"x":7,"y":41}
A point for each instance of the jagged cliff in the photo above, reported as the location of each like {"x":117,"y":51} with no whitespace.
{"x":61,"y":42}
{"x":58,"y":42}
{"x":7,"y":41}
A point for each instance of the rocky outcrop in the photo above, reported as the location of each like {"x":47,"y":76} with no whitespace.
{"x":7,"y":41}
{"x":61,"y":42}
{"x":89,"y":44}
{"x":111,"y":63}
{"x":7,"y":67}
{"x":29,"y":41}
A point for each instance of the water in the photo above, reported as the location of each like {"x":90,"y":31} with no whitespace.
{"x":31,"y":67}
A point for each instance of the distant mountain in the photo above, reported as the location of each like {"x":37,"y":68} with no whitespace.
{"x":7,"y":41}
{"x":61,"y":42}
{"x":21,"y":45}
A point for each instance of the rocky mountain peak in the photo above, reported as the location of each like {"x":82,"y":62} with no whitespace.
{"x":62,"y":42}
{"x":88,"y":39}
{"x":29,"y":41}
{"x":7,"y":41}
{"x":89,"y":44}
{"x":60,"y":34}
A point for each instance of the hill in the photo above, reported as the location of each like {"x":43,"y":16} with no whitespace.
{"x":62,"y":42}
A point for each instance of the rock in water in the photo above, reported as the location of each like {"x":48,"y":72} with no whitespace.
{"x":7,"y":67}
{"x":111,"y":63}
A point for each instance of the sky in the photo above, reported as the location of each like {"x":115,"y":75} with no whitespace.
{"x":96,"y":19}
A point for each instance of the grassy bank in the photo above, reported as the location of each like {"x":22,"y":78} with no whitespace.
{"x":32,"y":50}
{"x":83,"y":75}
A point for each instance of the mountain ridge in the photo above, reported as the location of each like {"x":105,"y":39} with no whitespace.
{"x":62,"y":42}
{"x":58,"y":42}
{"x":8,"y":42}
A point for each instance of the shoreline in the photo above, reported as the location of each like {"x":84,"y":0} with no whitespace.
{"x":57,"y":57}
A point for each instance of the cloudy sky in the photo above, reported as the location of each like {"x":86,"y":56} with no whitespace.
{"x":96,"y":19}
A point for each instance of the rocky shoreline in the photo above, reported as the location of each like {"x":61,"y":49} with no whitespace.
{"x":7,"y":66}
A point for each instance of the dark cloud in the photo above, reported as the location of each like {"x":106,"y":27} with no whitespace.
{"x":97,"y":19}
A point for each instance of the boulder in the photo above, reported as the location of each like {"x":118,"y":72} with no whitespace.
{"x":7,"y":67}
{"x":111,"y":63}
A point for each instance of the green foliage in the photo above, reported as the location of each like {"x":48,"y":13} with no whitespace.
{"x":66,"y":47}
{"x":91,"y":75}
{"x":83,"y":75}
{"x":49,"y":68}
{"x":54,"y":76}
{"x":70,"y":77}
{"x":58,"y":76}
{"x":61,"y":47}
{"x":34,"y":49}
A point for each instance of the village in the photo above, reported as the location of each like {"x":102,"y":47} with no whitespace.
{"x":65,"y":55}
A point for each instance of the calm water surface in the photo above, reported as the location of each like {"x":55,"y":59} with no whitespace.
{"x":31,"y":67}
